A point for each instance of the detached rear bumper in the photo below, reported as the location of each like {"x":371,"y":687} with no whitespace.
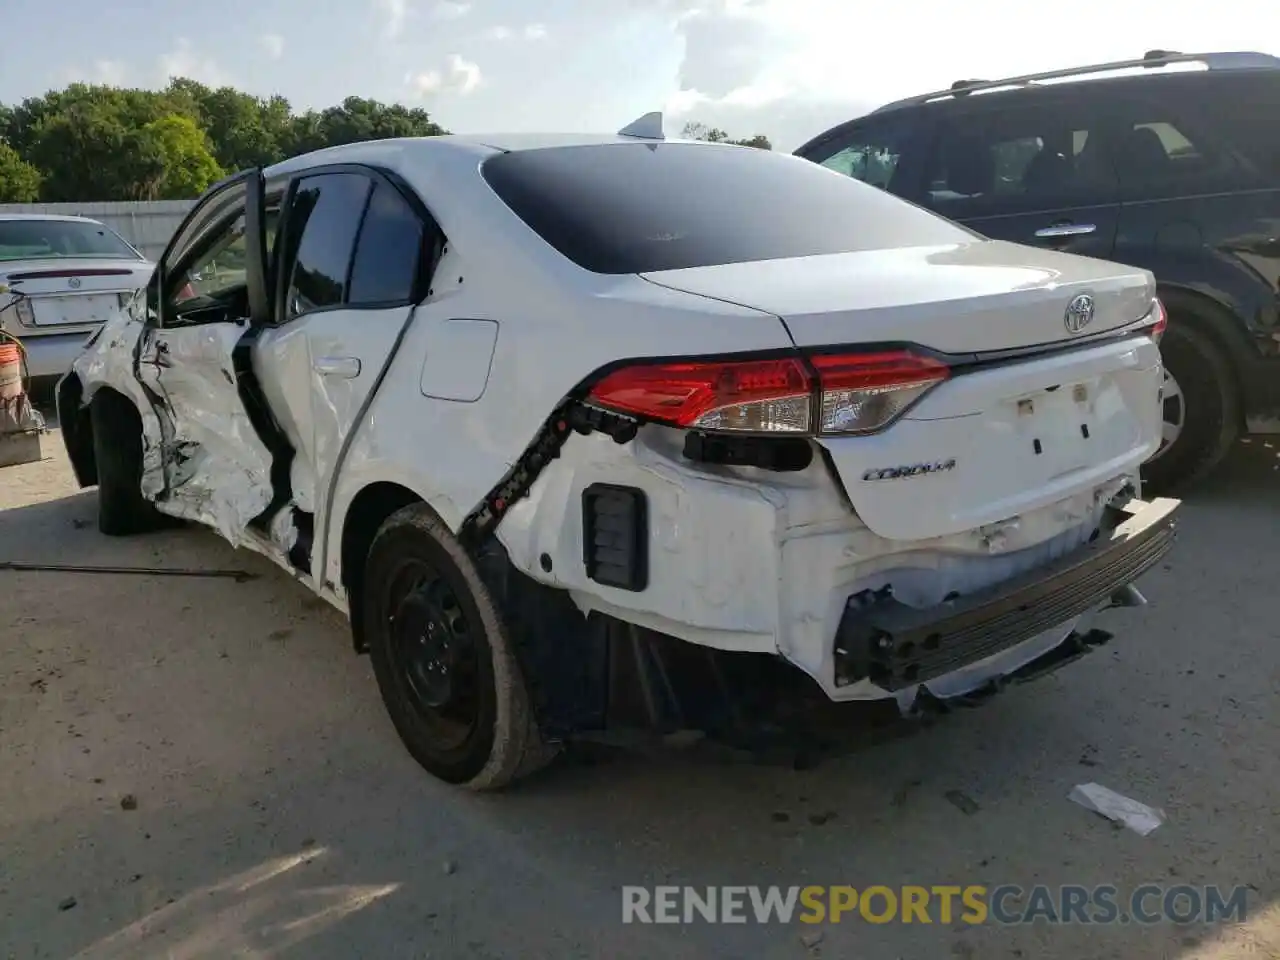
{"x":896,"y":646}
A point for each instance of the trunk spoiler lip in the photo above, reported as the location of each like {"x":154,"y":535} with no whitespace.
{"x":69,"y":272}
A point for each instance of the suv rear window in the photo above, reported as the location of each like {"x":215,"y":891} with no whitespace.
{"x":634,"y":208}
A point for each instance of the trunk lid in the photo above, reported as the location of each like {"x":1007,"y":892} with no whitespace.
{"x":970,"y":298}
{"x":998,"y":438}
{"x":67,"y":294}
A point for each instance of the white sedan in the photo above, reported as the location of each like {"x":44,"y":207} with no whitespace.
{"x":599,"y":432}
{"x":62,"y":277}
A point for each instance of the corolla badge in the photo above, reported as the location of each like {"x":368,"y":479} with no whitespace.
{"x":1079,"y":313}
{"x":910,"y":470}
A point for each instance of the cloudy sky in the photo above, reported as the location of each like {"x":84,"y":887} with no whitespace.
{"x":785,"y":68}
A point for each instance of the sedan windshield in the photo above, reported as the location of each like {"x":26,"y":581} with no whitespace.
{"x":40,"y":239}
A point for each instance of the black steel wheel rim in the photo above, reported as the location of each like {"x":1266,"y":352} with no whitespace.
{"x":434,"y":652}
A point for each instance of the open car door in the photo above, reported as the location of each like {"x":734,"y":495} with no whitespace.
{"x":207,"y":300}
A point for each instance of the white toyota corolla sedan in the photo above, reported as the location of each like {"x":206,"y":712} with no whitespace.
{"x":588,"y":433}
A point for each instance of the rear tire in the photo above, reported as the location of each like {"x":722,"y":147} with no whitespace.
{"x":1205,"y":403}
{"x":117,"y":451}
{"x":444,"y":663}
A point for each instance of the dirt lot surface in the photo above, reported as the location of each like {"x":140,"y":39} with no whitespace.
{"x":200,"y":768}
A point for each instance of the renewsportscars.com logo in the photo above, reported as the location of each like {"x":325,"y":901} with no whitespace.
{"x":1007,"y":904}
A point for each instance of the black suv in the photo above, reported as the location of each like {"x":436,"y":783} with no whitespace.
{"x":1170,"y":162}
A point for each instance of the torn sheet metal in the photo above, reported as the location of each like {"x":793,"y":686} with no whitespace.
{"x":107,"y":361}
{"x":202,"y":459}
{"x":1138,"y":817}
{"x":216,"y":469}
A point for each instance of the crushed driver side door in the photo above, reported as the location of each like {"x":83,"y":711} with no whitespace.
{"x":208,"y":292}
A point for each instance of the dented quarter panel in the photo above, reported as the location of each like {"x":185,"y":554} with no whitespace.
{"x":453,"y":452}
{"x":745,"y":560}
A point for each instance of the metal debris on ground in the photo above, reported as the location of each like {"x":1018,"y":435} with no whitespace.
{"x":239,"y":576}
{"x":962,"y":802}
{"x":1138,"y":817}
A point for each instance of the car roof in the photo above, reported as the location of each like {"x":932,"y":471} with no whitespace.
{"x":1156,"y":66}
{"x":62,"y":217}
{"x":452,"y":144}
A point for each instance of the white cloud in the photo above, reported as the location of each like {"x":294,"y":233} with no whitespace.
{"x":765,"y":64}
{"x":113,"y":73}
{"x":532,"y":31}
{"x":451,"y":9}
{"x":272,"y":45}
{"x":394,"y":13}
{"x":185,"y":61}
{"x":458,"y":75}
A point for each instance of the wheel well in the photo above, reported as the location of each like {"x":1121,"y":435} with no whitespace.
{"x":1209,"y":318}
{"x":77,"y":430}
{"x":77,"y":425}
{"x":368,"y":511}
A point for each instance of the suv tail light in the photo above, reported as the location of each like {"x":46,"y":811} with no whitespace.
{"x":821,"y":394}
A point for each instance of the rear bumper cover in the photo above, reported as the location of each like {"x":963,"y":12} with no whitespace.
{"x":50,"y":355}
{"x":897,"y":647}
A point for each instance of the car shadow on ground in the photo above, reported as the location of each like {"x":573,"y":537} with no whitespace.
{"x":273,"y":810}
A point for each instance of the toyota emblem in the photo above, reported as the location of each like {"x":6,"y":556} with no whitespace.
{"x":74,"y":283}
{"x":1079,"y":313}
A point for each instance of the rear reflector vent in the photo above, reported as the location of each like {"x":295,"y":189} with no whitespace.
{"x":615,"y":536}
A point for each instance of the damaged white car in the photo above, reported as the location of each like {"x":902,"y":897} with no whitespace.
{"x":589,"y":433}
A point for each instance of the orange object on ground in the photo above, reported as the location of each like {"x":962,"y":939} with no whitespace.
{"x":10,"y":371}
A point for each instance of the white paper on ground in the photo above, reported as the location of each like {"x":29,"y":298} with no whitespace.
{"x":1138,"y":817}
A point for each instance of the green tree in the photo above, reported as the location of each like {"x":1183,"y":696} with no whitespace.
{"x":357,"y":120}
{"x":694,"y":130}
{"x":19,"y":180}
{"x":176,"y":148}
{"x":245,"y":131}
{"x":94,"y":142}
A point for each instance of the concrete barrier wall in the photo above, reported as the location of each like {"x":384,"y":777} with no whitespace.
{"x":146,"y":225}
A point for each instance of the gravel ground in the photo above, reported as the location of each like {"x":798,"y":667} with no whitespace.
{"x":201,"y":768}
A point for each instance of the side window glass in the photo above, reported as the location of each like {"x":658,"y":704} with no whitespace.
{"x":323,"y":220}
{"x":869,"y":153}
{"x":1159,"y":153}
{"x":1010,"y":162}
{"x":388,"y":252}
{"x":220,"y":268}
{"x":1243,"y":110}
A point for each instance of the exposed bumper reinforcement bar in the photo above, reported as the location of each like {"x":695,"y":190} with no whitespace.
{"x":896,"y":646}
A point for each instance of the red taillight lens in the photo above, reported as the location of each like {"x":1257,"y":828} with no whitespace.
{"x":1160,"y":320}
{"x":851,"y":393}
{"x":753,"y":395}
{"x":861,"y":393}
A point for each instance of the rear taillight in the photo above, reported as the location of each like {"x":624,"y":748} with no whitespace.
{"x":865,"y":392}
{"x":1156,"y":320}
{"x":822,"y":394}
{"x":26,"y":315}
{"x":760,"y":396}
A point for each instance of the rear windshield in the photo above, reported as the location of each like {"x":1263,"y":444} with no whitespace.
{"x":632,"y":208}
{"x":31,"y":239}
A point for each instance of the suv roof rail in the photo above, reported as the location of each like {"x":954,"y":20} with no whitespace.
{"x":1241,"y":60}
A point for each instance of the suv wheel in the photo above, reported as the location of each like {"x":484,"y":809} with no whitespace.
{"x":1201,"y":410}
{"x":443,"y":660}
